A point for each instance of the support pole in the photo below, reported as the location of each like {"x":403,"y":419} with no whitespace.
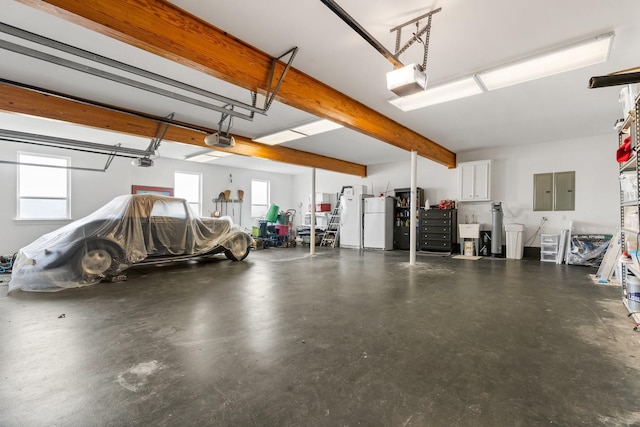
{"x":413,"y":209}
{"x":312,"y":241}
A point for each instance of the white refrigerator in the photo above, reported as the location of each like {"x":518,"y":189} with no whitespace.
{"x":378,"y":223}
{"x":351,"y":210}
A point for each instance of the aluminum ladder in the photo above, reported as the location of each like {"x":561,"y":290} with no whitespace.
{"x":332,"y":233}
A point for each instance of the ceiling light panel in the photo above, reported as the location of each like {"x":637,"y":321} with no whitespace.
{"x":317,"y":127}
{"x":207,"y":156}
{"x":438,"y":94}
{"x":280,"y":137}
{"x":570,"y":58}
{"x":298,"y":132}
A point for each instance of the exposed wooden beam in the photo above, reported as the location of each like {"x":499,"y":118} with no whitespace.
{"x":24,"y":101}
{"x":162,"y":28}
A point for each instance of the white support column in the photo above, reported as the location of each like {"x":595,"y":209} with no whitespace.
{"x":413,"y":210}
{"x":312,"y":241}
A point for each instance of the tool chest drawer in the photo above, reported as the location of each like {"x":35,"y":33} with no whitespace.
{"x":438,"y":213}
{"x":434,"y":236}
{"x":435,"y":229}
{"x":436,"y":245}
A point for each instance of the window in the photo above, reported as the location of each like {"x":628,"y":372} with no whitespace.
{"x":173,"y":209}
{"x":43,"y":192}
{"x":187,"y":186}
{"x":259,"y":198}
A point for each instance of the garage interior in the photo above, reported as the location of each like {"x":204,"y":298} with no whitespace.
{"x":132,"y":94}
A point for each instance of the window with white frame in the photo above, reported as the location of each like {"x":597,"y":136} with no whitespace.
{"x":260,"y":197}
{"x":187,"y":185}
{"x":43,"y":186}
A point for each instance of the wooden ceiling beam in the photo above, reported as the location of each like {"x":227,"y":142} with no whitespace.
{"x":163,"y":29}
{"x":25,"y":101}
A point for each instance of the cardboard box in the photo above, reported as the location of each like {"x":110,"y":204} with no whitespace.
{"x":322,"y":198}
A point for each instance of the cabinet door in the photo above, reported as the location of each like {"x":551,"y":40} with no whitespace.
{"x":481,"y":181}
{"x":475,"y":180}
{"x":401,"y":238}
{"x":466,"y":181}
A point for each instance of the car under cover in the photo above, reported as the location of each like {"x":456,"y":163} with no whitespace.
{"x":136,"y":229}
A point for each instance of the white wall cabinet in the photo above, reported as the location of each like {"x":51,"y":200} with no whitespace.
{"x":475,"y":181}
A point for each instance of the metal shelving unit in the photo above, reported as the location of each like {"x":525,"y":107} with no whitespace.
{"x":630,"y":207}
{"x":401,"y":217}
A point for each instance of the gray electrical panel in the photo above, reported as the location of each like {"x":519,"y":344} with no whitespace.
{"x":554,"y":191}
{"x":564,"y":191}
{"x":543,"y":192}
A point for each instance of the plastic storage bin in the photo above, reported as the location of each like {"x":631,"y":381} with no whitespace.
{"x":629,"y":186}
{"x":515,"y":243}
{"x":548,"y":256}
{"x":633,"y":293}
{"x":549,"y":247}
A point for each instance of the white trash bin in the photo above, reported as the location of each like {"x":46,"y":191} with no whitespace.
{"x":515,"y":243}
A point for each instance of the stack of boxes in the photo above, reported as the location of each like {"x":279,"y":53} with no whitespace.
{"x":324,"y":205}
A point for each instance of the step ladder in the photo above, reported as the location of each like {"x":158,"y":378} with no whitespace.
{"x":332,"y":233}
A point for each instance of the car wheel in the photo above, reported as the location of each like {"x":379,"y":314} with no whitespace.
{"x":96,"y":259}
{"x":232,"y":257}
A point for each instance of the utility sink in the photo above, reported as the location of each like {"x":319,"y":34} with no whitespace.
{"x":469,"y":231}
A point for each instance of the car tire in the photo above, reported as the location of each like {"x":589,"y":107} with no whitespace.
{"x":232,"y":257}
{"x":95,"y":259}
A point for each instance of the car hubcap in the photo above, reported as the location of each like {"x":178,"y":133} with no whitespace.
{"x":96,"y":261}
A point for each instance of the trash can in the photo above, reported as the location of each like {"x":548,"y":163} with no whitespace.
{"x":515,"y":244}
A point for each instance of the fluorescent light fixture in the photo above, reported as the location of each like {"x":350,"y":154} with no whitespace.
{"x":406,"y":80}
{"x":578,"y":55}
{"x":206,"y":156}
{"x":280,"y":137}
{"x":314,"y":128}
{"x":569,"y":58}
{"x":438,"y":94}
{"x":298,"y":132}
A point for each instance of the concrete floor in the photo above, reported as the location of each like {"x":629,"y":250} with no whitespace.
{"x":346,"y":338}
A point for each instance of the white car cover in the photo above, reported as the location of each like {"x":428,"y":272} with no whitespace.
{"x":135,"y":228}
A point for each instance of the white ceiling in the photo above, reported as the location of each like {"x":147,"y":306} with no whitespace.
{"x":466,"y":37}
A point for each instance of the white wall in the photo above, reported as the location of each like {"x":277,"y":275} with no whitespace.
{"x":593,"y":160}
{"x":91,"y":190}
{"x":216,"y":179}
{"x":597,"y":189}
{"x":381,"y":179}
